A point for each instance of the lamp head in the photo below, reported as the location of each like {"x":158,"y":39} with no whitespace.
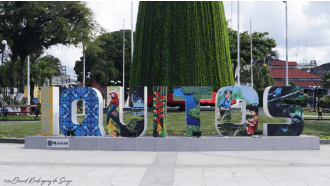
{"x":4,"y":42}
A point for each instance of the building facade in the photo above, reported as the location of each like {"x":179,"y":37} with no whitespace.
{"x":311,"y":82}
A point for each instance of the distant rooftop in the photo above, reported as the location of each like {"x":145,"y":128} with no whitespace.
{"x":281,"y":63}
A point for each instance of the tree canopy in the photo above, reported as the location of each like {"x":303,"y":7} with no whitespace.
{"x":326,"y":80}
{"x":32,"y":26}
{"x":262,"y":77}
{"x":261,"y":48}
{"x":104,"y":59}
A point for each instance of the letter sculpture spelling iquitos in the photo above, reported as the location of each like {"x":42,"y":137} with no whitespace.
{"x":138,"y":123}
{"x":159,"y":111}
{"x":226,"y":98}
{"x":50,"y":111}
{"x":92,"y":125}
{"x":273,"y":107}
{"x":192,"y":96}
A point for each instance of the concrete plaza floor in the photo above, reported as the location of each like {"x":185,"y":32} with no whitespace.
{"x":108,"y":168}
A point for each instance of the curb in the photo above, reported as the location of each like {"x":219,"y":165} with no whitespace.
{"x":22,"y":140}
{"x":324,"y":141}
{"x":12,"y":140}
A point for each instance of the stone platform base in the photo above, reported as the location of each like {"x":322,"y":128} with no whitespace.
{"x":176,"y":143}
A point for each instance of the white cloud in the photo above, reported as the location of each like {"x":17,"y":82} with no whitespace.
{"x":110,"y":15}
{"x":308,"y":23}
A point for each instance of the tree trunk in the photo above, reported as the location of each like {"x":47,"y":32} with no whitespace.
{"x":32,"y":90}
{"x":22,"y":74}
{"x":12,"y":75}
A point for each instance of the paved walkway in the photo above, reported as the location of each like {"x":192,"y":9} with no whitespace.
{"x":163,"y":168}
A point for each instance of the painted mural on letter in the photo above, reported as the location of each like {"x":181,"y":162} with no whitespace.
{"x":277,"y":109}
{"x":228,"y":103}
{"x":47,"y":111}
{"x":159,"y":111}
{"x":119,"y":129}
{"x":192,"y":96}
{"x":90,"y":126}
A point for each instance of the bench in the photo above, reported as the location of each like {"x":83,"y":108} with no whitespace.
{"x":5,"y":111}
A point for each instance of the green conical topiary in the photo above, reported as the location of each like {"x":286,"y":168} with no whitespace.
{"x":181,"y":44}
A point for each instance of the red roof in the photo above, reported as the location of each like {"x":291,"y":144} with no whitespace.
{"x":300,"y":83}
{"x":281,"y":63}
{"x":292,"y":73}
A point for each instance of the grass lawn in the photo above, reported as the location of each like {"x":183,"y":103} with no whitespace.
{"x":14,"y":116}
{"x":176,"y":125}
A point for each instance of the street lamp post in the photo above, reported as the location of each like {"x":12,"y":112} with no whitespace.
{"x":238,"y":56}
{"x":251,"y":54}
{"x":286,"y":25}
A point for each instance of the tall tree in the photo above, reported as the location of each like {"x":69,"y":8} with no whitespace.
{"x":103,"y":72}
{"x":261,"y":48}
{"x":262,"y":77}
{"x":49,"y":67}
{"x":326,"y":80}
{"x":181,"y":44}
{"x":110,"y":50}
{"x":30,"y":26}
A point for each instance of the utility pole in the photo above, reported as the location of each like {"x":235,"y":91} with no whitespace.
{"x":123,"y":97}
{"x":251,"y":54}
{"x":83,"y":66}
{"x":28,"y":79}
{"x":238,"y":56}
{"x":132,"y":44}
{"x":286,"y":23}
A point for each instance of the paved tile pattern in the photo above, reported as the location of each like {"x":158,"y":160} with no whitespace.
{"x":96,"y":168}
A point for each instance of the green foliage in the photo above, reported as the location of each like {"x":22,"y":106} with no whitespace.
{"x":262,"y":77}
{"x":31,"y":26}
{"x":293,"y":84}
{"x":325,"y":100}
{"x":195,"y":112}
{"x":177,"y":98}
{"x":203,"y":92}
{"x":306,"y":96}
{"x":104,"y":58}
{"x":261,"y":48}
{"x":39,"y":105}
{"x":191,"y":129}
{"x":181,"y":43}
{"x":326,"y":80}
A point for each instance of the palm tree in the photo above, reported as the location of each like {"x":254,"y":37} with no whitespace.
{"x":35,"y":73}
{"x":42,"y":68}
{"x":103,"y":72}
{"x":50,"y":66}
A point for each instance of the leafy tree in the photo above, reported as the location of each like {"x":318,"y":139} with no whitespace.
{"x":181,"y":43}
{"x":291,"y":83}
{"x":326,"y":80}
{"x":103,"y":72}
{"x":261,"y":48}
{"x":262,"y":77}
{"x":325,"y":100}
{"x":31,"y":26}
{"x":110,"y":51}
